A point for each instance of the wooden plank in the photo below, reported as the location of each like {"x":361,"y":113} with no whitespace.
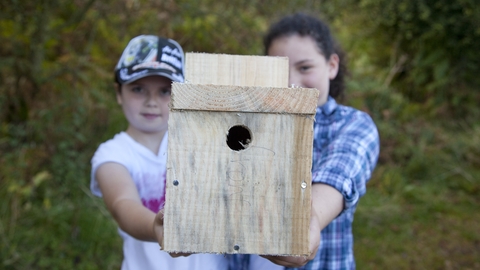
{"x":243,"y":99}
{"x":239,"y":70}
{"x":253,"y":198}
{"x":250,"y":197}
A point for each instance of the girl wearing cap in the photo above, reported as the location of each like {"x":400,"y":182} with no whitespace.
{"x":129,"y":170}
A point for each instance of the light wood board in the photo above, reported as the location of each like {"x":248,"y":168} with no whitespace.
{"x":243,"y":99}
{"x":251,"y":198}
{"x":239,"y":70}
{"x":223,"y":200}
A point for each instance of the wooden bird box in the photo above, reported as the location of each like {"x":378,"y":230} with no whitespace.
{"x":239,"y":158}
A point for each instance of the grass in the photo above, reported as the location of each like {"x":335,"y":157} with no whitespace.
{"x":421,"y":226}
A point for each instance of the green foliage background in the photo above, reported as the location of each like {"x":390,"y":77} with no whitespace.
{"x":414,"y":68}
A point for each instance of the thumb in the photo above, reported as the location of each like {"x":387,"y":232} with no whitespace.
{"x":158,"y":227}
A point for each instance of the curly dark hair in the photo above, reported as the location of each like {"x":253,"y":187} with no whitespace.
{"x":306,"y":25}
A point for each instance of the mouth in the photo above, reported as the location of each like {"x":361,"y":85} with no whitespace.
{"x":150,"y":116}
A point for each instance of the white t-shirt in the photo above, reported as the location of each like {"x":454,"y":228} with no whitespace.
{"x":148,"y":171}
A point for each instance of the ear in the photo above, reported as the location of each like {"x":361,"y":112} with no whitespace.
{"x":118,"y":93}
{"x":333,"y":66}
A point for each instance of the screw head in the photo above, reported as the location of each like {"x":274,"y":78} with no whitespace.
{"x":175,"y":182}
{"x":236,"y":247}
{"x":304,"y":185}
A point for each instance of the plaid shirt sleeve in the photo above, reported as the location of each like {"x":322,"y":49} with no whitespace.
{"x":346,"y":149}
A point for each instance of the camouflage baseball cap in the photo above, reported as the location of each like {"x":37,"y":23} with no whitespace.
{"x":149,"y":55}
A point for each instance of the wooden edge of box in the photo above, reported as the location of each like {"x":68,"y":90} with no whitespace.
{"x":227,"y":98}
{"x":241,"y":70}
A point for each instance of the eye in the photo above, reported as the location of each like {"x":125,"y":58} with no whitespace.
{"x":304,"y":68}
{"x":166,"y":92}
{"x":137,"y":89}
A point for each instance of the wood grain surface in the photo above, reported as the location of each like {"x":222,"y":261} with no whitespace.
{"x":239,"y":70}
{"x":251,"y":198}
{"x":187,"y":96}
{"x":255,"y":199}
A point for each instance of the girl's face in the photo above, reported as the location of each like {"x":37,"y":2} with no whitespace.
{"x":308,"y":67}
{"x":145,"y":105}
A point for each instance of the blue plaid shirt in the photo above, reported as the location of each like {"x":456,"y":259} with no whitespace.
{"x":345,"y":152}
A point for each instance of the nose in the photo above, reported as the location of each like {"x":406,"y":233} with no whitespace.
{"x":151,"y":100}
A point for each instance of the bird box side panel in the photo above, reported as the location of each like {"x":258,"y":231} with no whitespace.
{"x":221,"y":199}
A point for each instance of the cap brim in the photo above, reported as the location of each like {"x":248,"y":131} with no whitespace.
{"x":153,"y":73}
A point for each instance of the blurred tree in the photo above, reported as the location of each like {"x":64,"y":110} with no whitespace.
{"x":427,"y":50}
{"x":410,"y":60}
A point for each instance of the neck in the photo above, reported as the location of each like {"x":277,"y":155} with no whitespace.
{"x":151,"y":141}
{"x":322,"y":100}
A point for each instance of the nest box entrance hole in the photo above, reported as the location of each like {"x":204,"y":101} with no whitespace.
{"x":239,"y":137}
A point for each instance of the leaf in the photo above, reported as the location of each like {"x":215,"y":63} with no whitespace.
{"x":40,"y":177}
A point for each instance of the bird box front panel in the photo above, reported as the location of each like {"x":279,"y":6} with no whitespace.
{"x":239,"y":180}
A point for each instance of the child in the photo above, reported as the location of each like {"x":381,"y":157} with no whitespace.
{"x":346,"y":143}
{"x":129,"y":170}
